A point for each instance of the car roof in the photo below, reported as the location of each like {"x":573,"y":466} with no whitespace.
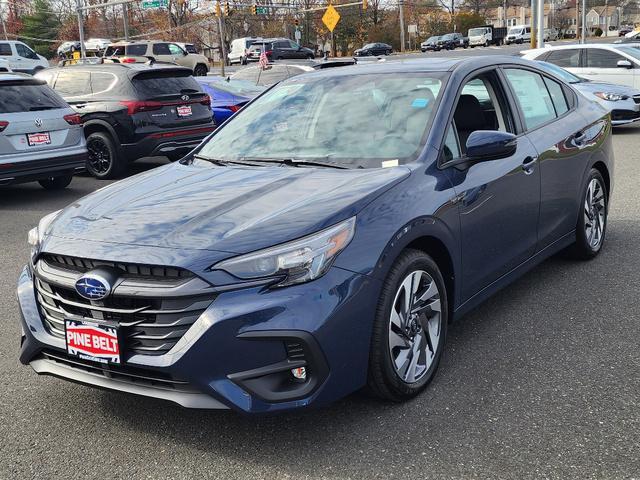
{"x":130,"y":69}
{"x":13,"y":76}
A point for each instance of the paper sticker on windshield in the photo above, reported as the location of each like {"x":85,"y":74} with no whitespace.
{"x":390,"y":163}
{"x":420,"y":102}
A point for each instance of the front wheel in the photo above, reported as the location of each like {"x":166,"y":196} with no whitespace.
{"x":200,"y":70}
{"x":592,"y":219}
{"x":409,"y":329}
{"x":56,"y":183}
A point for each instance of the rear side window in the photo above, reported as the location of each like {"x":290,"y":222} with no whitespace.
{"x":101,"y":81}
{"x":533,"y":97}
{"x":161,"y":49}
{"x":27,"y":97}
{"x":165,"y":84}
{"x":569,"y":58}
{"x":137,"y":49}
{"x":5,"y":50}
{"x":600,"y":58}
{"x":72,"y":84}
{"x":557,"y":96}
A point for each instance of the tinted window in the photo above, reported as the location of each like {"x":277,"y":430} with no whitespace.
{"x":282,"y":44}
{"x":101,"y":81}
{"x":275,"y":74}
{"x":25,"y":51}
{"x":25,"y":97}
{"x":5,"y":50}
{"x":72,"y":83}
{"x":155,"y":84}
{"x":557,"y":96}
{"x":293,"y":44}
{"x":533,"y":97}
{"x":599,"y":58}
{"x":138,"y":49}
{"x":114,"y":51}
{"x":161,"y":49}
{"x":569,"y":58}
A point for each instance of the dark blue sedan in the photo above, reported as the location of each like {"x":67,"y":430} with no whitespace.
{"x":228,"y":95}
{"x":330,"y":249}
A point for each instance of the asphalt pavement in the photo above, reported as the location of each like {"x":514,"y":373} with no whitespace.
{"x":541,"y":381}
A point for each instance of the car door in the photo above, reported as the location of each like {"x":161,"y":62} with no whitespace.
{"x":602,"y":65}
{"x":26,"y":58}
{"x":180,"y":56}
{"x":557,"y":130}
{"x":162,"y":53}
{"x":498,"y":200}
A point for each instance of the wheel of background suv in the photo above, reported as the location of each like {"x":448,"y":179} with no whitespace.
{"x":409,"y":329}
{"x":56,"y":183}
{"x":592,"y":219}
{"x":310,"y":57}
{"x":104,"y":160}
{"x":200,"y":70}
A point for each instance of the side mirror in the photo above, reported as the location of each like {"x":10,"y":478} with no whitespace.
{"x":490,"y":145}
{"x":624,"y":64}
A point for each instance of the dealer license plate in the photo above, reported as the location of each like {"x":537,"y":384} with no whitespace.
{"x":184,"y":111}
{"x":41,"y":138}
{"x":92,"y":341}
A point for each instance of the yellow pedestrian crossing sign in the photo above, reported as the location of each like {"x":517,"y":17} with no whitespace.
{"x":330,"y":18}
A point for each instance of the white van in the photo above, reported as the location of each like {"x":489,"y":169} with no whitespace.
{"x":518,"y":34}
{"x":21,"y":57}
{"x":239,"y":49}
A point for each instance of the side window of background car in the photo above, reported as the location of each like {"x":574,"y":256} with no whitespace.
{"x":293,"y":45}
{"x":161,"y":49}
{"x":5,"y":50}
{"x":557,"y":96}
{"x":600,"y":58}
{"x":25,"y":52}
{"x":72,"y":84}
{"x":137,"y":49}
{"x":569,"y":58}
{"x":282,"y":45}
{"x":175,"y":50}
{"x":532,"y":96}
{"x":101,"y":81}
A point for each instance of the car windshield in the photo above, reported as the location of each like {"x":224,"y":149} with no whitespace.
{"x":369,"y":45}
{"x":304,"y":119}
{"x":432,"y":39}
{"x":448,"y":36}
{"x":28,"y":96}
{"x":476,"y":31}
{"x":561,"y":72}
{"x":515,"y":30}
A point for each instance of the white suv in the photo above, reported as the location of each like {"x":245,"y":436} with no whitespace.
{"x":21,"y":57}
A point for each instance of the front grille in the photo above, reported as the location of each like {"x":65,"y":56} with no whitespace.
{"x":151,"y":315}
{"x":636,"y":98}
{"x":295,"y":350}
{"x":624,"y":115}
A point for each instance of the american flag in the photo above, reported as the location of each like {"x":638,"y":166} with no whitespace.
{"x":264,"y":61}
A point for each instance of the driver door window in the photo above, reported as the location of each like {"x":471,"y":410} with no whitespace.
{"x":175,"y":50}
{"x":25,"y":52}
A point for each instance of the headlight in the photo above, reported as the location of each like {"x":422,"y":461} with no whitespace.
{"x":298,"y":261}
{"x":34,"y":237}
{"x":612,"y":97}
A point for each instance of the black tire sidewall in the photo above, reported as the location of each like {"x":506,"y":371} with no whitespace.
{"x":56,"y":183}
{"x":115,"y":167}
{"x":382,"y":370}
{"x":582,"y":247}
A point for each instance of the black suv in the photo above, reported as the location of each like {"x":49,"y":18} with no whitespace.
{"x":278,"y":49}
{"x":130,"y":111}
{"x":451,"y":41}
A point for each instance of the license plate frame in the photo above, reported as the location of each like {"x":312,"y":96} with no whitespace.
{"x":92,"y":341}
{"x":38,"y":138}
{"x":184,"y":111}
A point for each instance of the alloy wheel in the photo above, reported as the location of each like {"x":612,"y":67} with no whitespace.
{"x":594,"y":213}
{"x":99,"y":156}
{"x":415,"y":326}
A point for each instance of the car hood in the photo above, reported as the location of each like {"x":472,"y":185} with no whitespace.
{"x":227,"y":209}
{"x":593,"y":87}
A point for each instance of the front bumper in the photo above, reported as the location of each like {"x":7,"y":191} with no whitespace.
{"x":239,"y":353}
{"x":32,"y":170}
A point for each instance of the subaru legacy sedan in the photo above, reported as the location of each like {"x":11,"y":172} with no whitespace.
{"x":288,"y":269}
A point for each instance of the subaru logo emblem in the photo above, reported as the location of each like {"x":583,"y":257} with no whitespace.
{"x":38,"y":122}
{"x":185,"y":97}
{"x":92,"y":286}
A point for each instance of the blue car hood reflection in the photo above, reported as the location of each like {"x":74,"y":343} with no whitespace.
{"x":227,"y":209}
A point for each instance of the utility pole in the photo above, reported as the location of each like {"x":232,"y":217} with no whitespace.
{"x":125,"y":12}
{"x":223,"y":52}
{"x":606,"y":18}
{"x":540,"y":23}
{"x":504,"y":13}
{"x":577,"y":16}
{"x":83,"y":52}
{"x":583,"y":36}
{"x":532,"y":22}
{"x":4,"y":28}
{"x":401,"y":7}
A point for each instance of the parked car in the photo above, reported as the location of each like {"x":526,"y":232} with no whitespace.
{"x":188,"y":47}
{"x":518,"y":34}
{"x":606,"y":63}
{"x":551,"y":34}
{"x":299,"y":254}
{"x":239,"y":51}
{"x":66,"y":49}
{"x":373,"y":49}
{"x":451,"y":41}
{"x":133,"y":110}
{"x":430,"y":44}
{"x":168,"y":52}
{"x":227,"y":95}
{"x":633,"y":37}
{"x":623,"y":102}
{"x":486,"y":35}
{"x":41,"y":137}
{"x":21,"y":57}
{"x":4,"y":65}
{"x":277,"y":72}
{"x":625,"y":29}
{"x":98,"y":44}
{"x":278,"y":49}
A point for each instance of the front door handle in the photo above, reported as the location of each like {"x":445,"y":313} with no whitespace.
{"x":528,"y":164}
{"x":579,"y":138}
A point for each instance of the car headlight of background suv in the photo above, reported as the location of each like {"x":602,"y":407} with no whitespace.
{"x":298,"y":261}
{"x":35,"y":235}
{"x":612,"y":97}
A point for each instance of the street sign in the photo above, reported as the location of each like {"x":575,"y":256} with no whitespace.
{"x":262,"y":10}
{"x":331,"y":18}
{"x":154,"y":3}
{"x":412,"y":28}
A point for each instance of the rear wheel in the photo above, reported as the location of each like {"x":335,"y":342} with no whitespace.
{"x":56,"y":183}
{"x":592,"y":219}
{"x":410,"y":328}
{"x":104,"y":161}
{"x":200,"y":70}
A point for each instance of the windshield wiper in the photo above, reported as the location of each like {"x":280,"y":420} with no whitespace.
{"x":42,"y":107}
{"x":293,"y":162}
{"x":224,"y":163}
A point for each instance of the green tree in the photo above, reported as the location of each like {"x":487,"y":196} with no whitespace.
{"x":42,"y":24}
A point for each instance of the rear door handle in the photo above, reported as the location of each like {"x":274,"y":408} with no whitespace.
{"x":528,"y":164}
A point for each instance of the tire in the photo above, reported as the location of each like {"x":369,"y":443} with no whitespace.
{"x":56,"y":183}
{"x":310,"y":57}
{"x":104,"y":160}
{"x":394,"y":339}
{"x":200,"y":70}
{"x":591,"y":228}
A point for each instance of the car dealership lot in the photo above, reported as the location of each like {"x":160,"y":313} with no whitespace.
{"x":540,"y":381}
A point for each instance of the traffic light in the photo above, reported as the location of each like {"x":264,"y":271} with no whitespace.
{"x":296,"y":22}
{"x":364,"y":4}
{"x":226,"y":8}
{"x":254,"y":10}
{"x":218,"y":12}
